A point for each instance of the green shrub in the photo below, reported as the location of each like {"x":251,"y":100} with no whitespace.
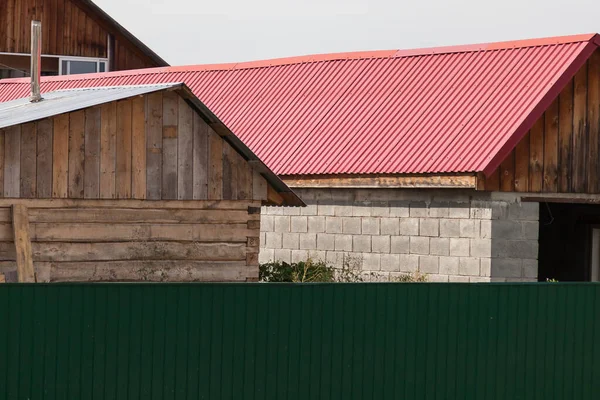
{"x":309,"y":271}
{"x":414,"y":277}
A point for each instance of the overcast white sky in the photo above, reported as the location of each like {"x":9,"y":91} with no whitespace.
{"x":201,"y":31}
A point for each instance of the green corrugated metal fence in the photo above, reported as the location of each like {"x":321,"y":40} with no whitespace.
{"x":270,"y":341}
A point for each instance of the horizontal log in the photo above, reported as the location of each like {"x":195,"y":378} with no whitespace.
{"x":381,"y":181}
{"x":114,"y":251}
{"x":83,"y":232}
{"x":182,"y":204}
{"x":130,"y":215}
{"x":151,"y":271}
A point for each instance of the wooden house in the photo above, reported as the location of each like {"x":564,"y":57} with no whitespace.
{"x":78,"y":37}
{"x":128,"y":183}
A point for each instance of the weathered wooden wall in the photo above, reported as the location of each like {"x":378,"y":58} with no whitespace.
{"x":133,"y":240}
{"x":136,"y":189}
{"x":68,"y":29}
{"x":560,"y":154}
{"x":148,"y":147}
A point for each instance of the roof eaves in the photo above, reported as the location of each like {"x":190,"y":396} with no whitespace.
{"x":541,"y":106}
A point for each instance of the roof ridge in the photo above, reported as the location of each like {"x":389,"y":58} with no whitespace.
{"x":355,"y":55}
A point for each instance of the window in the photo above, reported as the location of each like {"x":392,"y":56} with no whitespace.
{"x":80,"y":65}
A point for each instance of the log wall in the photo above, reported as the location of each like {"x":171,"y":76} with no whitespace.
{"x":129,"y":240}
{"x":560,"y":154}
{"x":69,"y":28}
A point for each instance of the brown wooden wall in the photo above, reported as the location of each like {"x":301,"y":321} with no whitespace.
{"x":135,"y":240}
{"x":67,"y":29}
{"x":148,"y":147}
{"x":560,"y":154}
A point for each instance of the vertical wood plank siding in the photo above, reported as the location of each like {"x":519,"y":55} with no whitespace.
{"x":561,"y":152}
{"x":69,"y":28}
{"x":150,"y":147}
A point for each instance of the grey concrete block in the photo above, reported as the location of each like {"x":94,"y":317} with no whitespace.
{"x":333,"y":224}
{"x":485,"y":267}
{"x":449,"y":228}
{"x":409,"y":262}
{"x":485,"y":229}
{"x":292,"y":210}
{"x":266,"y":255}
{"x":400,"y":244}
{"x":326,"y":210}
{"x":371,"y":261}
{"x":530,"y":230}
{"x":459,"y":247}
{"x":419,"y":245}
{"x":281,"y":223}
{"x":506,"y":229}
{"x":351,"y":225}
{"x":418,"y":209}
{"x":437,"y":278}
{"x":308,"y":241}
{"x":449,"y":265}
{"x":342,"y":210}
{"x":439,"y":246}
{"x":380,"y":244}
{"x":390,"y":262}
{"x":399,"y":208}
{"x":361,"y":209}
{"x":273,"y":240}
{"x":284,"y":255}
{"x":458,"y":279}
{"x":266,"y":223}
{"x":530,"y":269}
{"x":370,"y":226}
{"x":515,"y":248}
{"x":409,"y":226}
{"x":262,"y":239}
{"x":361,"y":244}
{"x":481,"y":210}
{"x":506,"y":268}
{"x":481,"y":247}
{"x":438,"y":210}
{"x":479,"y":279}
{"x":325,"y":241}
{"x":429,"y":227}
{"x":524,"y":211}
{"x":316,"y":224}
{"x":380,"y":209}
{"x":342,"y":195}
{"x":299,"y":255}
{"x":469,"y":228}
{"x":429,"y":264}
{"x":272,"y":210}
{"x":310,"y":209}
{"x":390,"y":226}
{"x":299,"y":224}
{"x":317,"y":255}
{"x":343,"y":242}
{"x":335,"y":258}
{"x":468,"y":266}
{"x":458,"y":210}
{"x":291,"y":241}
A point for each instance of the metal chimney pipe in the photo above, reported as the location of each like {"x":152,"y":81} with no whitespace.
{"x":36,"y":60}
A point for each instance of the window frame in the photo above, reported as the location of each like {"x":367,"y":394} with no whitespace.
{"x":98,"y":61}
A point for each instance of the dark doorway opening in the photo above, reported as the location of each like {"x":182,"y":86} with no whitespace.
{"x":569,"y":242}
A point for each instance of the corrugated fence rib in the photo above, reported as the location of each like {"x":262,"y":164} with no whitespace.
{"x":279,"y":341}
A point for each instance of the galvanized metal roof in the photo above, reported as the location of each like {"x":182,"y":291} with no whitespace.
{"x":22,"y":110}
{"x":442,"y":110}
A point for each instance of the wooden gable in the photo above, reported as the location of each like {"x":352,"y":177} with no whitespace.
{"x":560,"y":154}
{"x":69,"y":28}
{"x":154,"y":147}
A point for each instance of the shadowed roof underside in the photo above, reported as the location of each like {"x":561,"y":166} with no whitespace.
{"x":444,"y":110}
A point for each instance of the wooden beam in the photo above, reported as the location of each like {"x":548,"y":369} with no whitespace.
{"x":185,"y":204}
{"x":273,"y":197}
{"x":468,"y":181}
{"x":25,"y":271}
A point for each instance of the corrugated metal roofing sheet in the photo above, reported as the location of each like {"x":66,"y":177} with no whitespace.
{"x":21,"y":110}
{"x":453,"y":109}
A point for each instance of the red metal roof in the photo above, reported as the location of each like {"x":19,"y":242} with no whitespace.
{"x":440,"y":110}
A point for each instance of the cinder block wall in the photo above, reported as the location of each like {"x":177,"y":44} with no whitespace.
{"x":452,"y":236}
